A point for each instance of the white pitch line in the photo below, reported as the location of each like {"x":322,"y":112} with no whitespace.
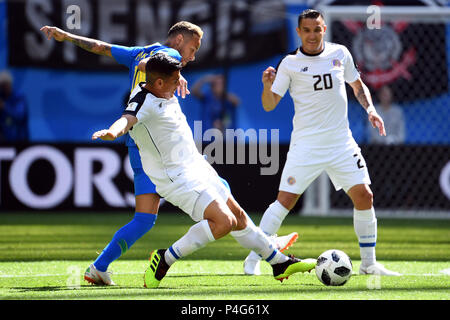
{"x":445,"y":271}
{"x":410,"y":274}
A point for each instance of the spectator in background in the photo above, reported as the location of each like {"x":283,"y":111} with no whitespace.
{"x":393,"y":117}
{"x":13,"y":111}
{"x":218,"y":105}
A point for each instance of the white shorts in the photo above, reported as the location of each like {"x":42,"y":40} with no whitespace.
{"x":192,"y":192}
{"x":344,"y":164}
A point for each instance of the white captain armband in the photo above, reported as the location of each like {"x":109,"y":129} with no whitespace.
{"x":371,"y":109}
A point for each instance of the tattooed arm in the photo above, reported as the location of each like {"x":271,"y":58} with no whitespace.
{"x":91,"y":45}
{"x":363,"y":96}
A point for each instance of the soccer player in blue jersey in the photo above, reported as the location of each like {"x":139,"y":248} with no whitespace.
{"x":182,"y":43}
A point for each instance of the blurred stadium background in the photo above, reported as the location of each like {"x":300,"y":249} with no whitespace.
{"x":71,"y":93}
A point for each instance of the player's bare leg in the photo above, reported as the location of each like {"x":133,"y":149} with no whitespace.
{"x":148,"y":203}
{"x":361,"y":196}
{"x":218,"y":221}
{"x":365,"y":224}
{"x":288,"y":199}
{"x":220,"y":218}
{"x":238,"y":212}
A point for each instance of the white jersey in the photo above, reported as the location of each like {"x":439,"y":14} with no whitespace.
{"x":316,"y":84}
{"x":163,"y":136}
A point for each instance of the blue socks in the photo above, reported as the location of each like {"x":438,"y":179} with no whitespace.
{"x":124,"y":238}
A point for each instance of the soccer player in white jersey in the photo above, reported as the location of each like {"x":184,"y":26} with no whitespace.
{"x":183,"y":41}
{"x":315,"y":76}
{"x":183,"y":177}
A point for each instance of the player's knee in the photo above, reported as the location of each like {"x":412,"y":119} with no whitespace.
{"x":241,"y":223}
{"x":222,"y":220}
{"x":147,"y":203}
{"x":225,"y":224}
{"x":231,"y":223}
{"x":370,"y":197}
{"x":364,"y":199}
{"x":362,"y":196}
{"x":241,"y":220}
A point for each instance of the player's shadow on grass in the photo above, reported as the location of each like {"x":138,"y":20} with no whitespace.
{"x":170,"y":291}
{"x":274,"y":291}
{"x":69,"y":288}
{"x":206,"y":275}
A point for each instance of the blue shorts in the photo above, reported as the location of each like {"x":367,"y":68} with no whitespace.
{"x":142,"y":183}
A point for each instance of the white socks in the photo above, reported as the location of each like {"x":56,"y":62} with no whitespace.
{"x":273,"y":218}
{"x":364,"y":221}
{"x":365,"y":224}
{"x":251,"y":238}
{"x":271,"y":221}
{"x":254,"y":239}
{"x":197,"y":237}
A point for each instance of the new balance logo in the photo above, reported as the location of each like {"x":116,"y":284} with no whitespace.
{"x":304,"y":69}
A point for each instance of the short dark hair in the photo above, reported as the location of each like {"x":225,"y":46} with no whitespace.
{"x":161,"y":65}
{"x":185,"y":28}
{"x":309,"y":14}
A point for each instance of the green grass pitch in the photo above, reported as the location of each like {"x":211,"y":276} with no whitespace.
{"x":44,"y":255}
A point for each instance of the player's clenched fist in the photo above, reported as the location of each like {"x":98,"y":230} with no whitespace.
{"x":268,"y":76}
{"x":54,"y":32}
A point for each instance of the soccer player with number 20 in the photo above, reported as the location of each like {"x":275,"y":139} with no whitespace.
{"x":321,"y":140}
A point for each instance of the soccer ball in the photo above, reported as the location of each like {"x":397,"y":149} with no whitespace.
{"x":334,"y":268}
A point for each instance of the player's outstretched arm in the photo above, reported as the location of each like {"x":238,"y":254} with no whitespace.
{"x":362,"y":93}
{"x":117,"y":129}
{"x":88,"y":44}
{"x":269,"y":99}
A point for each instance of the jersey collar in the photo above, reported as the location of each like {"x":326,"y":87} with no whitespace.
{"x":312,"y":55}
{"x":164,"y":101}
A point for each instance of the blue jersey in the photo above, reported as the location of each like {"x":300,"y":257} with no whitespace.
{"x":131,"y":56}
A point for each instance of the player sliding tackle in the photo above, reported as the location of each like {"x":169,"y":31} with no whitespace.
{"x":182,"y":43}
{"x":183,"y":177}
